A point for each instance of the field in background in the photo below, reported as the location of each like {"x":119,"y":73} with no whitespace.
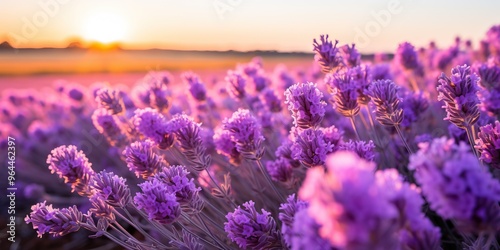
{"x":35,"y":68}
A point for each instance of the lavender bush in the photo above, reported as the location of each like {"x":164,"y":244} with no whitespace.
{"x":371,"y":155}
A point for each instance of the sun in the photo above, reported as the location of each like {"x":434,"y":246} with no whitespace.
{"x":104,"y":28}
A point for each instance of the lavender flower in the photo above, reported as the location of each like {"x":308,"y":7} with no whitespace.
{"x":306,"y":233}
{"x":406,"y":56}
{"x":414,"y":104}
{"x":272,"y":101}
{"x":225,"y":146}
{"x":347,"y":196}
{"x":158,"y":203}
{"x":196,"y":87}
{"x":327,"y":54}
{"x":177,"y":183}
{"x":280,"y":170}
{"x":187,"y":133}
{"x":108,"y":125}
{"x":381,"y":72}
{"x":305,"y":102}
{"x":236,"y":85}
{"x":248,"y":228}
{"x":109,"y":100}
{"x":488,"y":144}
{"x":111,"y":188}
{"x":73,"y":167}
{"x":489,"y":74}
{"x":56,"y":222}
{"x":384,"y":94}
{"x":153,"y":125}
{"x":245,"y":132}
{"x":344,"y":92}
{"x":332,"y":135}
{"x":310,"y":147}
{"x":459,"y":96}
{"x":287,"y":214}
{"x":101,"y":209}
{"x":456,"y":186}
{"x":365,"y":150}
{"x":142,"y":160}
{"x":493,"y":39}
{"x":351,"y":56}
{"x":285,"y":151}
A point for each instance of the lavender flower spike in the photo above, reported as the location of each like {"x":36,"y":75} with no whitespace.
{"x":459,"y":96}
{"x":248,"y":228}
{"x":488,"y":144}
{"x":246,"y":133}
{"x":236,"y":84}
{"x":73,"y":167}
{"x":158,"y":203}
{"x":345,"y":92}
{"x":177,"y":182}
{"x":406,"y":56}
{"x":142,"y":160}
{"x":111,"y":188}
{"x":154,"y":125}
{"x":456,"y":185}
{"x":287,"y":214}
{"x":327,"y":54}
{"x":110,"y":100}
{"x":46,"y":219}
{"x":305,"y":102}
{"x":384,"y":94}
{"x":310,"y":147}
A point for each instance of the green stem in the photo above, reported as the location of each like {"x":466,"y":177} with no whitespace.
{"x":269,"y":181}
{"x":351,"y":118}
{"x":403,"y":139}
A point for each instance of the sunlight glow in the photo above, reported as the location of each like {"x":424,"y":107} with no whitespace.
{"x":104,"y":28}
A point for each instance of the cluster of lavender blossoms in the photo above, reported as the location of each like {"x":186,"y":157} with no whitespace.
{"x":352,"y":152}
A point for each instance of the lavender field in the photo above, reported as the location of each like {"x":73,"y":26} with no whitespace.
{"x":336,"y":150}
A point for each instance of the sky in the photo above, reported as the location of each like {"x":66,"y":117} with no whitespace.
{"x":284,"y":25}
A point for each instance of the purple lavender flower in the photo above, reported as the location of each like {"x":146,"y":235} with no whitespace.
{"x":142,"y":160}
{"x":236,"y":85}
{"x":305,"y":233}
{"x":177,"y":182}
{"x":225,"y":146}
{"x":109,"y":100}
{"x":280,"y":170}
{"x":101,"y":209}
{"x":456,"y":185}
{"x":111,"y":188}
{"x":285,"y":151}
{"x":417,"y":230}
{"x":272,"y":101}
{"x":153,"y":125}
{"x":260,"y":82}
{"x":305,"y":102}
{"x":381,"y":71}
{"x":488,"y":144}
{"x":76,"y":93}
{"x":493,"y":39}
{"x":414,"y":104}
{"x":310,"y":147}
{"x":158,"y":203}
{"x":333,"y":135}
{"x":73,"y":167}
{"x":459,"y":96}
{"x":352,"y":57}
{"x":56,"y":222}
{"x":246,"y":133}
{"x":187,"y":133}
{"x":287,"y":214}
{"x":196,"y":87}
{"x":347,"y":196}
{"x":108,"y":125}
{"x":365,"y":150}
{"x":327,"y":54}
{"x":344,"y":91}
{"x":248,"y":228}
{"x":384,"y":94}
{"x":406,"y":56}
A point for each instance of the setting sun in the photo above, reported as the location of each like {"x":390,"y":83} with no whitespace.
{"x":104,"y":28}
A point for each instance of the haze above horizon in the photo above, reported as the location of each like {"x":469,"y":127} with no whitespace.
{"x":244,"y":25}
